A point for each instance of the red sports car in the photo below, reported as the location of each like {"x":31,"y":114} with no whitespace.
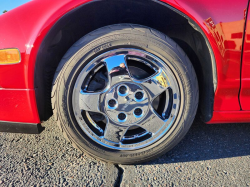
{"x":124,"y":78}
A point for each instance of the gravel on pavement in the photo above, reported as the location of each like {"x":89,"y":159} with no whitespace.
{"x":209,"y":155}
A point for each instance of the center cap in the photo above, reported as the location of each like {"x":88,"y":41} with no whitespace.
{"x":126,"y":103}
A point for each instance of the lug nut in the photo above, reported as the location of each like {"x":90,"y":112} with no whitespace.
{"x":138,"y":112}
{"x":123,"y":90}
{"x":112,"y":103}
{"x":122,"y":116}
{"x":138,"y":95}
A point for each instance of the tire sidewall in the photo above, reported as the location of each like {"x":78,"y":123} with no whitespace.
{"x":83,"y":54}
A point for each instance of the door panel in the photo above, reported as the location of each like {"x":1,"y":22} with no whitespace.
{"x":245,"y":72}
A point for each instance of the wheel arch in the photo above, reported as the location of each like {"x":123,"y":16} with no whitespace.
{"x":65,"y":32}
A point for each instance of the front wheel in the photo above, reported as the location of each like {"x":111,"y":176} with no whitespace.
{"x":125,"y":94}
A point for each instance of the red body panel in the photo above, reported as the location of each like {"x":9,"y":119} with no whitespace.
{"x":223,"y":23}
{"x":26,"y":32}
{"x":21,"y":106}
{"x":230,"y":117}
{"x":245,"y":74}
{"x":25,"y":27}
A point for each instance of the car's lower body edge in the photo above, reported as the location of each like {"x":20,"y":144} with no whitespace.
{"x":16,"y":127}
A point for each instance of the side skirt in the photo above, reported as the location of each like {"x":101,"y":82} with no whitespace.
{"x":14,"y":127}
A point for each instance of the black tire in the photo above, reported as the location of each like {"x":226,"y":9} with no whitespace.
{"x":112,"y":37}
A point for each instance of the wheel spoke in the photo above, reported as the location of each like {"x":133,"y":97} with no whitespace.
{"x":152,"y":122}
{"x":156,"y":84}
{"x":117,"y":69}
{"x":89,"y":101}
{"x":168,"y":101}
{"x":114,"y":132}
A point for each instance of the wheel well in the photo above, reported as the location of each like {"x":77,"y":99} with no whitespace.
{"x":88,"y":17}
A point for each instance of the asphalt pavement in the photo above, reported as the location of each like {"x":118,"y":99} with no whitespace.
{"x":209,"y":155}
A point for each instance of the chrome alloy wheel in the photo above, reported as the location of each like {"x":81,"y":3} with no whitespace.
{"x":133,"y":112}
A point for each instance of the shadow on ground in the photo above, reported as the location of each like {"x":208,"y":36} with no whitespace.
{"x":209,"y":141}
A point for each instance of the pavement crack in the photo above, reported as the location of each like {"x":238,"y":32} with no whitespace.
{"x":120,"y":175}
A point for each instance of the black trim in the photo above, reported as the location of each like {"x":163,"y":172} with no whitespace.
{"x":28,"y":128}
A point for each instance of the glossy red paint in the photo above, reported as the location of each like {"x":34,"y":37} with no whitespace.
{"x":224,"y":31}
{"x":26,"y":26}
{"x":245,"y":74}
{"x":25,"y":30}
{"x":18,"y":105}
{"x":230,"y":117}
